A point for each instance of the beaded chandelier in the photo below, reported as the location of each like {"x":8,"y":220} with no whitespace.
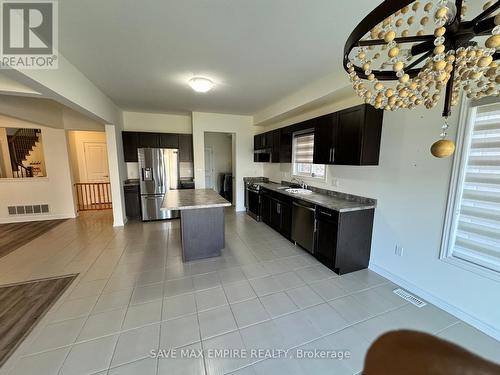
{"x":407,"y":53}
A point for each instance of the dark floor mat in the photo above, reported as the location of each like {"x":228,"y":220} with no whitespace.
{"x":22,"y":306}
{"x":15,"y":235}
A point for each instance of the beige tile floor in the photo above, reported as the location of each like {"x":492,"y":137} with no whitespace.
{"x":135,"y":295}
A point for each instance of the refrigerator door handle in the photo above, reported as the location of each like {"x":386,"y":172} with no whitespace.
{"x":160,"y":171}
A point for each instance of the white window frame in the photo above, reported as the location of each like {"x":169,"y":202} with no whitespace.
{"x":301,"y":176}
{"x":465,"y":127}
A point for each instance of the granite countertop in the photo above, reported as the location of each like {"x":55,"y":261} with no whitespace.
{"x":193,"y":199}
{"x":338,"y":202}
{"x":131,"y":182}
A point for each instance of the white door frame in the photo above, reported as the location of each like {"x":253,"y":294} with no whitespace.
{"x":211,"y":185}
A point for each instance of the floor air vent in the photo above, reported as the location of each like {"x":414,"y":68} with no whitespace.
{"x":409,"y":297}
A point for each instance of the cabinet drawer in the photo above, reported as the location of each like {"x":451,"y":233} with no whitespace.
{"x":131,"y":188}
{"x":327,"y":215}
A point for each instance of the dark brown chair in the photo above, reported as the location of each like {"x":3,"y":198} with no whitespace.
{"x":416,"y":353}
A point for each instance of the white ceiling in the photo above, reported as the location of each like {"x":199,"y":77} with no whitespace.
{"x":141,"y":53}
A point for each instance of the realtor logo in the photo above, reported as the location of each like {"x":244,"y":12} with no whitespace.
{"x":28,"y":34}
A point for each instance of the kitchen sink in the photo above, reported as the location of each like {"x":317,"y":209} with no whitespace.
{"x":298,"y":191}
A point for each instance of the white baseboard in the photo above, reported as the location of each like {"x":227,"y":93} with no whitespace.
{"x":120,"y":223}
{"x":453,"y":310}
{"x":26,"y":218}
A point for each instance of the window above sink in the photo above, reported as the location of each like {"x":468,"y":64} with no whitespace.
{"x":302,"y":157}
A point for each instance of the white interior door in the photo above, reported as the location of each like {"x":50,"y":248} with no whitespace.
{"x":96,"y":162}
{"x":209,"y":168}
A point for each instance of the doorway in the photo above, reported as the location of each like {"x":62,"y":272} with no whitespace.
{"x":219,"y":163}
{"x":90,"y":170}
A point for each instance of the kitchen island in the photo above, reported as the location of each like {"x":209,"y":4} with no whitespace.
{"x":202,"y":221}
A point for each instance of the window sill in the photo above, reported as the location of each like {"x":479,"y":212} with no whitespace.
{"x":471,"y":267}
{"x":27,"y":179}
{"x":308,"y":178}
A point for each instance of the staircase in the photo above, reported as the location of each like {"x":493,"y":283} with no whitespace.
{"x":21,"y":143}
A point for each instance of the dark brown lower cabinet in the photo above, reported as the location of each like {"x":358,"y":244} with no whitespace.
{"x":343,"y":240}
{"x":277,"y":212}
{"x":132,"y":202}
{"x":286,"y":219}
{"x":265,"y":207}
{"x":281,"y":217}
{"x":326,"y":237}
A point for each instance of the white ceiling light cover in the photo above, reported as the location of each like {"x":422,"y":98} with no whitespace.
{"x":201,"y":84}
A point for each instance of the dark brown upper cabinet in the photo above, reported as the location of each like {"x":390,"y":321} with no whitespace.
{"x":168,"y":140}
{"x":286,"y":139}
{"x":325,"y":136}
{"x":271,"y":143}
{"x":134,"y":140}
{"x":259,"y":141}
{"x":149,"y":140}
{"x":130,"y":145}
{"x":276,"y":145}
{"x":185,"y":148}
{"x":349,"y":137}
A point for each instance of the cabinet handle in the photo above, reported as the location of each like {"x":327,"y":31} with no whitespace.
{"x":333,"y":155}
{"x":278,"y":208}
{"x":325,"y":213}
{"x":330,"y":156}
{"x":304,"y":207}
{"x":315,"y":225}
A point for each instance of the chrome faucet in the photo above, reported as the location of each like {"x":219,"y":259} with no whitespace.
{"x":300,"y":182}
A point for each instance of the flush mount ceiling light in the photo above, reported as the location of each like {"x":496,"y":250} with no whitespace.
{"x":406,"y":53}
{"x":201,"y":84}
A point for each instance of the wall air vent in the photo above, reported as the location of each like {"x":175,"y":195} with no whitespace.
{"x":409,"y":297}
{"x":30,"y":209}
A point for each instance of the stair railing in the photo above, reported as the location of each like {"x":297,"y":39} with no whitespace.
{"x":22,"y":171}
{"x":20,"y":145}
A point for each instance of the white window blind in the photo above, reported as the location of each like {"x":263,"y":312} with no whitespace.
{"x":304,"y":148}
{"x":475,"y":233}
{"x":303,"y":157}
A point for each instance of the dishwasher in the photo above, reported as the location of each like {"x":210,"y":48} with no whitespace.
{"x":304,"y":225}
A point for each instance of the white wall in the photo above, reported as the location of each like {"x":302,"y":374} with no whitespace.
{"x":221,"y":144}
{"x":69,"y":87}
{"x":55,"y":189}
{"x":411,"y":187}
{"x":157,"y":122}
{"x":36,"y":110}
{"x":242,"y":127}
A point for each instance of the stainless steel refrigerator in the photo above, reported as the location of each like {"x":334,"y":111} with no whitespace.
{"x":158,"y":173}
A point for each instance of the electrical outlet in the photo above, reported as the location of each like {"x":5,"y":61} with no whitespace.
{"x":399,"y":250}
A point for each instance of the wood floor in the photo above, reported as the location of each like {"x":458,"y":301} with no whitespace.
{"x":15,"y":235}
{"x":22,"y":306}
